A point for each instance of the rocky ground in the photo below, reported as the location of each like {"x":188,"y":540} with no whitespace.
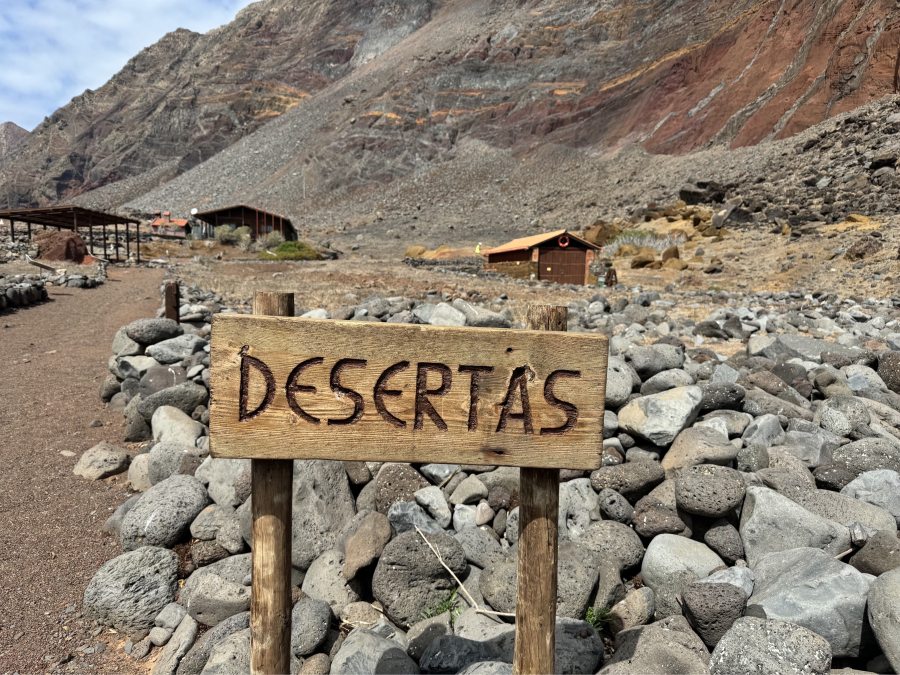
{"x":750,"y":452}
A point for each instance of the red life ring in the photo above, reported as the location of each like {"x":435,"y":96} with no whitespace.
{"x":563,"y":241}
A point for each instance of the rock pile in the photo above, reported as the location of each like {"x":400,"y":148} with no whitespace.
{"x":744,"y":518}
{"x":21,"y":290}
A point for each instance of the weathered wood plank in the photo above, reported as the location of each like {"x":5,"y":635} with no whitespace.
{"x":270,"y":600}
{"x":353,"y":391}
{"x":536,"y":591}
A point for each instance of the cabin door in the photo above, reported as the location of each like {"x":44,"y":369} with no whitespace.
{"x":562,"y":265}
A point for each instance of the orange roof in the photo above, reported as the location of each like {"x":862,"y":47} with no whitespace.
{"x":535,"y":240}
{"x":160,"y":222}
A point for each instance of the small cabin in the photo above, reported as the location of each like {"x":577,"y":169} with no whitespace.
{"x":558,"y":256}
{"x":164,"y":223}
{"x":259,"y":221}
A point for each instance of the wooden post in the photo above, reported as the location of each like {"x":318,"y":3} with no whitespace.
{"x":116,"y":239}
{"x":104,"y":241}
{"x":535,"y":650}
{"x":173,"y":300}
{"x":127,"y":242}
{"x":270,"y":602}
{"x":137,"y":239}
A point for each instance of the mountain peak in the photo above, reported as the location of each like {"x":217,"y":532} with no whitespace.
{"x":11,"y":135}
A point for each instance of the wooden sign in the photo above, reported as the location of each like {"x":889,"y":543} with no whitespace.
{"x":291,"y":388}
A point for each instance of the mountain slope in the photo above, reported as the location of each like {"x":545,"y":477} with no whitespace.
{"x":402,"y":88}
{"x":672,"y":76}
{"x":185,"y":98}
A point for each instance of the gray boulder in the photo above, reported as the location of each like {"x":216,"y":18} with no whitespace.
{"x":445,"y":315}
{"x":165,"y":460}
{"x":579,"y":506}
{"x":134,"y":366}
{"x":739,"y":577}
{"x":129,"y":591}
{"x":101,"y":461}
{"x":310,"y":621}
{"x":426,"y":631}
{"x":869,"y":454}
{"x":160,"y":377}
{"x":432,"y":499}
{"x":880,"y":554}
{"x":171,"y":425}
{"x":613,"y":540}
{"x":712,"y":608}
{"x":177,"y":646}
{"x":880,"y":488}
{"x":409,"y":578}
{"x":884,"y":615}
{"x":770,"y":648}
{"x":618,"y":382}
{"x":632,"y":480}
{"x":213,"y":599}
{"x":667,"y":646}
{"x":810,"y":588}
{"x":406,"y":516}
{"x":841,"y":415}
{"x":113,"y":524}
{"x":209,"y":520}
{"x":164,"y":514}
{"x":648,"y":361}
{"x":843,"y":509}
{"x":230,"y":655}
{"x":451,"y":653}
{"x":324,"y":580}
{"x":185,"y":396}
{"x":709,"y":490}
{"x":660,"y":417}
{"x":482,"y":548}
{"x":698,"y":445}
{"x":322,"y":505}
{"x":765,"y":430}
{"x":151,"y":331}
{"x":175,"y":350}
{"x":193,"y":662}
{"x":234,"y":568}
{"x":671,"y":563}
{"x":122,"y":345}
{"x":479,"y":316}
{"x":219,"y":475}
{"x":367,"y":652}
{"x":667,"y":379}
{"x":771,"y":522}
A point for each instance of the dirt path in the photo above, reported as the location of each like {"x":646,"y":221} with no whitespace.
{"x":54,"y":356}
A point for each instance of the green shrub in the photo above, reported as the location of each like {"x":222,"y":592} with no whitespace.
{"x":237,"y":237}
{"x":598,"y":618}
{"x":224,"y":235}
{"x":291,"y":250}
{"x":272,"y":240}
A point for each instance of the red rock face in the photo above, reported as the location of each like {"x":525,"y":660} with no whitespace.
{"x":368,"y":91}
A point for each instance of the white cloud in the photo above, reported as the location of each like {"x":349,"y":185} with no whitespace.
{"x":52,"y":50}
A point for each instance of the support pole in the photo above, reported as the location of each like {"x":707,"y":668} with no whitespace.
{"x":104,"y":241}
{"x":91,"y":233}
{"x":137,"y":239}
{"x":270,"y":600}
{"x":127,"y":241}
{"x":12,"y":229}
{"x":173,"y":300}
{"x":535,"y":650}
{"x":116,"y":240}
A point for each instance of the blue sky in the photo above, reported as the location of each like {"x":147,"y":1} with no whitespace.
{"x":52,"y":50}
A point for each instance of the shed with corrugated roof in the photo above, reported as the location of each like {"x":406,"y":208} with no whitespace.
{"x":558,"y":256}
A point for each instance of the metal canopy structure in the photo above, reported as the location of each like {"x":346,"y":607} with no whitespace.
{"x":258,"y":220}
{"x":74,"y":217}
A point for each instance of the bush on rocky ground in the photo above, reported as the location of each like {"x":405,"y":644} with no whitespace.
{"x":290,"y":250}
{"x":744,"y":517}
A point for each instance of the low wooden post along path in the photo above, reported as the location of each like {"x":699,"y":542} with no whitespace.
{"x":285,"y":388}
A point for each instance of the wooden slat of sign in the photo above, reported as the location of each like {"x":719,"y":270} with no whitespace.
{"x":345,"y":390}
